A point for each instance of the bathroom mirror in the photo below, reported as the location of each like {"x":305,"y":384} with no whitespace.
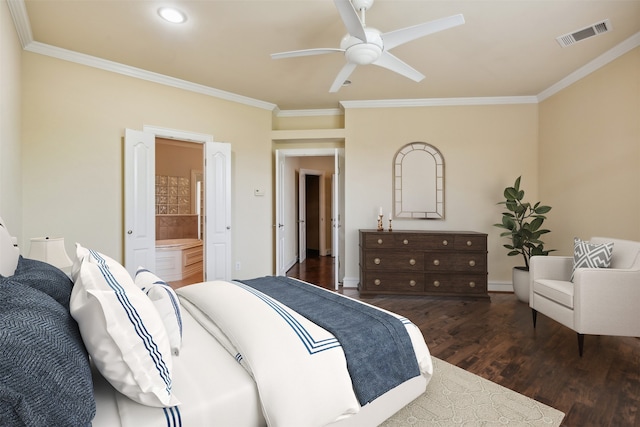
{"x":418,"y":182}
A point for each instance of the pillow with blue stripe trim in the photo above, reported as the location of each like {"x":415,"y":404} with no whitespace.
{"x":121,"y":330}
{"x":166,"y":302}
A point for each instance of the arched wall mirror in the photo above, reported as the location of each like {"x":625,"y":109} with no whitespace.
{"x":418,"y":182}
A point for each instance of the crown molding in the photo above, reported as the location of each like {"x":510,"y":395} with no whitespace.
{"x":18,"y":11}
{"x":439,"y":102}
{"x":310,"y":112}
{"x":103,"y":64}
{"x":602,"y":60}
{"x":20,"y":17}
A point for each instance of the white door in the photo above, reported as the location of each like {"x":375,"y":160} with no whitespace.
{"x":337,"y":236}
{"x":217,"y":211}
{"x":302,"y":216}
{"x":335,"y":219}
{"x":139,"y":198}
{"x":280,"y":229}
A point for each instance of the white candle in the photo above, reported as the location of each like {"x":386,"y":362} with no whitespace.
{"x":380,"y":211}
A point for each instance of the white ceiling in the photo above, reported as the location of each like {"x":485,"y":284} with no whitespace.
{"x":505,"y":48}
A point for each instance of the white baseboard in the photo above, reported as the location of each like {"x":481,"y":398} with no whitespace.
{"x":500,"y":287}
{"x":350,"y":282}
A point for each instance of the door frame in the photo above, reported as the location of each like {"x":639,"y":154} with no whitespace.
{"x":281,"y":229}
{"x":204,"y":139}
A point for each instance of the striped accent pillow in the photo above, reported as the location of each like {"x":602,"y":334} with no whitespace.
{"x":166,"y":302}
{"x":587,"y":255}
{"x":122,"y":330}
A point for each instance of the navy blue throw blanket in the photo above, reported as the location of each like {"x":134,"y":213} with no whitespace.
{"x":378,"y":348}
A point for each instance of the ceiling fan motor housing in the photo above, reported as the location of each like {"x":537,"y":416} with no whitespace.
{"x":363,"y":52}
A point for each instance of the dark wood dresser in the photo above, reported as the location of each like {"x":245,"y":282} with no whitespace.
{"x":443,"y":263}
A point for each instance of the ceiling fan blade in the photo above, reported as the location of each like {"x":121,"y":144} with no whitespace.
{"x":392,"y":63}
{"x":343,"y":75}
{"x":351,"y":19}
{"x":404,"y":35}
{"x":304,"y":52}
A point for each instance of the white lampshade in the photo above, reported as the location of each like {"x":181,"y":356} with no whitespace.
{"x":50,"y":250}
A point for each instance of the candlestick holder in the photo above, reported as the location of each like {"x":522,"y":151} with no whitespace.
{"x":390,"y":226}
{"x":380,"y":227}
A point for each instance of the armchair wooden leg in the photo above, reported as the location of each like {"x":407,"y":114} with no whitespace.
{"x":534,"y":313}
{"x":580,"y":343}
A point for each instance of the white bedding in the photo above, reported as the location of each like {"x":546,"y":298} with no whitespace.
{"x":216,"y":389}
{"x":213,"y":388}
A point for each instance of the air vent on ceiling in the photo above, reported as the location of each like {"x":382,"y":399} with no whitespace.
{"x":585,"y":33}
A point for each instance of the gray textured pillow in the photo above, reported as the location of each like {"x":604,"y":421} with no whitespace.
{"x":45,"y":368}
{"x":588,"y":255}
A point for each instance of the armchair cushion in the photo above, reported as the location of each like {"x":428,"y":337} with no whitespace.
{"x":559,"y":291}
{"x":591,"y":255}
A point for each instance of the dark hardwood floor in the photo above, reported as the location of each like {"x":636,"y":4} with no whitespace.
{"x":495,"y":339}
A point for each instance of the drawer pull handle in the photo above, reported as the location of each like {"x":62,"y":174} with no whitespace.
{"x":469,"y":243}
{"x":436,"y":262}
{"x":379,"y":241}
{"x":412,"y":283}
{"x":405,"y":241}
{"x":412,"y":261}
{"x":377,"y":282}
{"x":436,"y":283}
{"x":472,"y":263}
{"x":472,"y":284}
{"x":376,"y":261}
{"x":445,"y":242}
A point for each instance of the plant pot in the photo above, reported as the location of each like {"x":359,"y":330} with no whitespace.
{"x":520,"y":277}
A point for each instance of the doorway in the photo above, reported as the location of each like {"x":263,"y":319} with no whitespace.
{"x":288,"y":163}
{"x":179,"y":212}
{"x":312,"y":202}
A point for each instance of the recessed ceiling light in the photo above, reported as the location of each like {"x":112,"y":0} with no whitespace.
{"x":172,"y":15}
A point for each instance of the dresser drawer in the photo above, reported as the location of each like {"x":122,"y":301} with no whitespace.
{"x":393,"y":282}
{"x":470,"y":243}
{"x":382,"y":240}
{"x":455,"y":284}
{"x":390,"y":260}
{"x":465,"y":262}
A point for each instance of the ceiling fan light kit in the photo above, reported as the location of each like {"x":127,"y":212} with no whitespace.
{"x":365,"y":45}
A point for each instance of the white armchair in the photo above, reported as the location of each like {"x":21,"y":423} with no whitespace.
{"x":599,"y":301}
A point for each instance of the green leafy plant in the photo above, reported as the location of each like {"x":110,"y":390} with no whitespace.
{"x":523,"y":223}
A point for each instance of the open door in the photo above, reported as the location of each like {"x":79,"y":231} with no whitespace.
{"x":302,"y":216}
{"x":217,"y":211}
{"x":337,"y":203}
{"x":280,"y":229}
{"x":139,"y":198}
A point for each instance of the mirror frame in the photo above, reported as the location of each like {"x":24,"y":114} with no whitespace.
{"x":434,"y":187}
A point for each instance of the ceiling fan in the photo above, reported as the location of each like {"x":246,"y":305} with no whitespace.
{"x":365,"y":45}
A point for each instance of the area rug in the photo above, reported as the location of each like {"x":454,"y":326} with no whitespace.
{"x":455,"y":397}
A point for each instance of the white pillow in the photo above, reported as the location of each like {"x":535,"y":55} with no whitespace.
{"x":9,"y":252}
{"x":166,"y":302}
{"x":122,"y":330}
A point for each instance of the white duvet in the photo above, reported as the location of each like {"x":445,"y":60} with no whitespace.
{"x":299,"y":369}
{"x":307,"y":384}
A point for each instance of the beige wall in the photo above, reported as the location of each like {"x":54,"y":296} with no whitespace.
{"x":484,"y":147}
{"x":10,"y":136}
{"x":589,"y":169}
{"x":74,"y":119}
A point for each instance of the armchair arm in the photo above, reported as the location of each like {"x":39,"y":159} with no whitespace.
{"x":551,"y":267}
{"x":606,"y":301}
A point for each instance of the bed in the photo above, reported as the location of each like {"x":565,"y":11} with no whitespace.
{"x":235,"y":355}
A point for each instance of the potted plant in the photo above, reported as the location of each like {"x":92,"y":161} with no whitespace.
{"x":523,"y":223}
